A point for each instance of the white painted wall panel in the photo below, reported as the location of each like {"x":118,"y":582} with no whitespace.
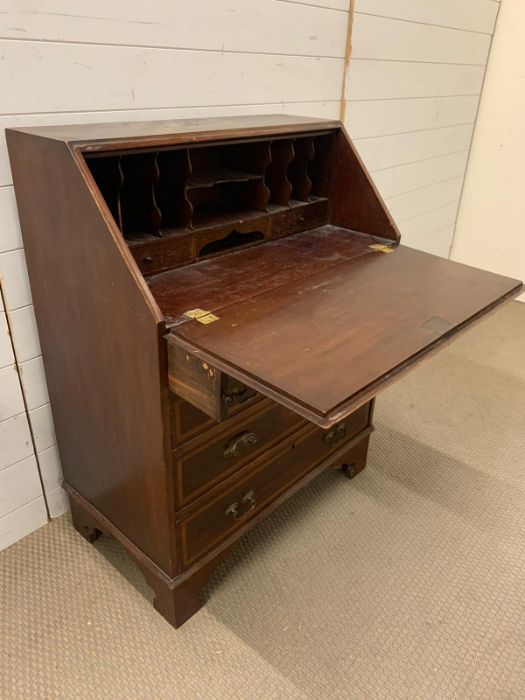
{"x":367,"y":118}
{"x":57,"y":502}
{"x":10,"y":235}
{"x":52,"y":477}
{"x":341,"y":5}
{"x":15,"y":440}
{"x":429,"y":223}
{"x":408,"y":205}
{"x":253,"y":26}
{"x":373,"y":38}
{"x":399,"y":149}
{"x":42,"y":426}
{"x":473,"y":15}
{"x":491,"y":221}
{"x":6,"y":351}
{"x":19,"y":484}
{"x":437,"y":243}
{"x":143,"y":77}
{"x":22,"y":521}
{"x":383,"y":80}
{"x":412,"y":93}
{"x":33,"y":382}
{"x":405,"y":178}
{"x":11,"y":400}
{"x":24,"y":333}
{"x":50,"y":468}
{"x":15,"y":282}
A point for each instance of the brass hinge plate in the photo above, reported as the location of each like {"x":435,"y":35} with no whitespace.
{"x":201,"y":315}
{"x":381,"y":248}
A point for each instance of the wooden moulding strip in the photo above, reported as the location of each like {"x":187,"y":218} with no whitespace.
{"x":348,"y":51}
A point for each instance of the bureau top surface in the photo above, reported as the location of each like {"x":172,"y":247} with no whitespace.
{"x":334,"y":322}
{"x":92,"y":137}
{"x":226,"y":279}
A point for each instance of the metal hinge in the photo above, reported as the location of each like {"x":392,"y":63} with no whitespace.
{"x":201,"y":315}
{"x":381,"y":248}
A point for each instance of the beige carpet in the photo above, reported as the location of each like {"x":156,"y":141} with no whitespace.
{"x":408,"y":582}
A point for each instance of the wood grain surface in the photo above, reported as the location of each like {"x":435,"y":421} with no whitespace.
{"x":321,"y":343}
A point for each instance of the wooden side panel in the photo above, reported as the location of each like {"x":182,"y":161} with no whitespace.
{"x":354,"y":200}
{"x":100,"y":334}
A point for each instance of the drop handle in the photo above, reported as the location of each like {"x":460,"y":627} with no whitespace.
{"x":240,"y":444}
{"x":236,"y":510}
{"x":334,"y":436}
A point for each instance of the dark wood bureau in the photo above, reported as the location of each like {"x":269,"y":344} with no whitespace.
{"x":219,"y":301}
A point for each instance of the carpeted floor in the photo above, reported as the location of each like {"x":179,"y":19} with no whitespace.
{"x":408,"y":582}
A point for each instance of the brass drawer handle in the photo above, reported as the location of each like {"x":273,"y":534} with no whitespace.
{"x":240,"y":444}
{"x":247,"y":504}
{"x":237,"y":396}
{"x":336,"y":434}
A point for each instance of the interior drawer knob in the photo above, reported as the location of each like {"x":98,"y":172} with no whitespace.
{"x":335,"y":435}
{"x":240,"y":444}
{"x":237,"y":396}
{"x":240,"y":510}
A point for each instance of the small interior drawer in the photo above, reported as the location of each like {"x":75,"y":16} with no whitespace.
{"x":160,"y":254}
{"x":297,"y":218}
{"x":271,"y":475}
{"x":209,"y":390}
{"x":227,"y":447}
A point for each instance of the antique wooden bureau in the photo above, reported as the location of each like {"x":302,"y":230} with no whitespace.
{"x":218,"y":303}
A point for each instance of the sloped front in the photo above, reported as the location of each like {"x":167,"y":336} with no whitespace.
{"x":325,"y":344}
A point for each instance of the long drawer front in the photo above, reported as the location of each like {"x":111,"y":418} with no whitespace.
{"x":269,"y":476}
{"x":224,"y":449}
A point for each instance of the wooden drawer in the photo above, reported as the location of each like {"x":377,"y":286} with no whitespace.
{"x":299,"y":218}
{"x":271,"y":475}
{"x":187,"y":421}
{"x":156,"y":255}
{"x":201,"y":463}
{"x":207,"y":389}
